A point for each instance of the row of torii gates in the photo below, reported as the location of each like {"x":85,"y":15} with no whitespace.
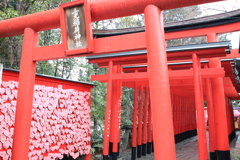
{"x":172,"y":93}
{"x":188,"y":92}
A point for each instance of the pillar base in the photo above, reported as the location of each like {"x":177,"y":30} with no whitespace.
{"x":212,"y":156}
{"x":184,"y":135}
{"x":110,"y":148}
{"x":149,"y":147}
{"x":231,"y":136}
{"x":105,"y":157}
{"x":195,"y":132}
{"x":223,"y":155}
{"x":118,"y":150}
{"x":134,"y":151}
{"x":176,"y":138}
{"x":152,"y":147}
{"x":144,"y":149}
{"x":139,"y":151}
{"x":114,"y":155}
{"x":181,"y":137}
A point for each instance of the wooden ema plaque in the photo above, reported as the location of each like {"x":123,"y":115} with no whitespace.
{"x":76,"y":28}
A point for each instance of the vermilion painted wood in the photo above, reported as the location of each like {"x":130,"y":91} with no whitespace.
{"x":226,"y":65}
{"x":25,"y":97}
{"x":145,"y":112}
{"x":88,"y":156}
{"x":100,"y":51}
{"x":163,"y":133}
{"x":47,"y":81}
{"x":178,"y":74}
{"x":202,"y":142}
{"x":185,"y":114}
{"x":211,"y":123}
{"x":100,"y":10}
{"x":219,"y":109}
{"x":119,"y":100}
{"x":114,"y":112}
{"x":135,"y":110}
{"x":108,"y":111}
{"x":149,"y":124}
{"x":180,"y":55}
{"x":228,"y":116}
{"x":229,"y":103}
{"x":180,"y":114}
{"x":191,"y":114}
{"x":173,"y":112}
{"x":229,"y":89}
{"x":211,"y":37}
{"x":175,"y":120}
{"x":120,"y":43}
{"x":140,"y":110}
{"x":188,"y":114}
{"x":116,"y":119}
{"x":177,"y":114}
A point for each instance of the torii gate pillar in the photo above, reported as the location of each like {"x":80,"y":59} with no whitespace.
{"x":221,"y":129}
{"x":25,"y":97}
{"x":160,"y":97}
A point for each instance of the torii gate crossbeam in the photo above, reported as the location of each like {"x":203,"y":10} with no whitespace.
{"x":100,"y":10}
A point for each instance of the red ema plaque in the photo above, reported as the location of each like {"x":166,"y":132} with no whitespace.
{"x":76,"y":27}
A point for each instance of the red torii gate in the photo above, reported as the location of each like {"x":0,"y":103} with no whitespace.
{"x":141,"y":75}
{"x":153,"y":39}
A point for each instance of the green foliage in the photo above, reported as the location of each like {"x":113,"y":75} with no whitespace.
{"x":8,"y":13}
{"x":45,"y":67}
{"x":238,"y":156}
{"x":92,"y":151}
{"x":236,"y":103}
{"x":10,"y":48}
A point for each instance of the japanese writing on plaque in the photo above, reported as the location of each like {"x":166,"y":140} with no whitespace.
{"x":76,"y":28}
{"x":76,"y":25}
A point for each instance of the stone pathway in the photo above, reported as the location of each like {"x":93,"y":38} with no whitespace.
{"x":188,"y":150}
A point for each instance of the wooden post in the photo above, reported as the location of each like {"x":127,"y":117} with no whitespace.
{"x":202,"y":139}
{"x":144,"y":141}
{"x":222,"y":146}
{"x":108,"y":113}
{"x":134,"y":128}
{"x":149,"y":128}
{"x":139,"y":146}
{"x":211,"y":123}
{"x":163,"y":134}
{"x":22,"y":127}
{"x":211,"y":37}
